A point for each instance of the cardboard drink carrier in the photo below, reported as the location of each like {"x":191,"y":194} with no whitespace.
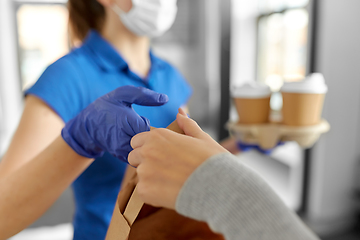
{"x":301,"y":114}
{"x":134,"y":220}
{"x":267,"y":136}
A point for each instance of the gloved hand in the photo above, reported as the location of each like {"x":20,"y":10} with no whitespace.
{"x":109,"y":123}
{"x":244,"y":147}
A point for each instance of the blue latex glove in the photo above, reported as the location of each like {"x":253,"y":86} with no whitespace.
{"x":109,"y":123}
{"x":247,"y":147}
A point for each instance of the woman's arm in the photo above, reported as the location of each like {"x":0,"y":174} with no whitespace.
{"x":37,"y":169}
{"x":238,"y":203}
{"x":33,"y":174}
{"x":29,"y":191}
{"x":39,"y":126}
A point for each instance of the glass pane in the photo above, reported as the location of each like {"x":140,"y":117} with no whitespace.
{"x":266,"y":6}
{"x":276,"y":5}
{"x":295,"y":44}
{"x":297,"y":3}
{"x":282,"y":47}
{"x":271,"y":51}
{"x":43,"y":38}
{"x":271,"y":5}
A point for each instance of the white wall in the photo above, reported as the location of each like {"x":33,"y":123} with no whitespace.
{"x":10,"y":90}
{"x":335,"y":158}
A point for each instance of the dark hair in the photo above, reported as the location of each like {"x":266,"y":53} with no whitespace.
{"x":83,"y":16}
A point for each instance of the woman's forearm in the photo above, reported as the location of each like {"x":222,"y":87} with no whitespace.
{"x":237,"y":203}
{"x":31,"y":190}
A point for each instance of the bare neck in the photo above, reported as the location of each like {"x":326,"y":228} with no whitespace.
{"x":134,"y":49}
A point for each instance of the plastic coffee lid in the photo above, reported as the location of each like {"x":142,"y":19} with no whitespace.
{"x":251,"y":90}
{"x":314,"y":83}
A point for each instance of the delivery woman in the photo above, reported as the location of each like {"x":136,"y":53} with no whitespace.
{"x":114,"y":52}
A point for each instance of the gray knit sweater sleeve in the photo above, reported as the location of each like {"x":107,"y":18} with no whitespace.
{"x":237,"y":203}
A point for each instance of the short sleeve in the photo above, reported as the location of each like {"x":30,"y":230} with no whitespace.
{"x":62,"y":87}
{"x":183,"y":87}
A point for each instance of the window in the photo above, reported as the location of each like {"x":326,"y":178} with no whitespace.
{"x":282,"y":43}
{"x":266,"y":6}
{"x":270,"y":44}
{"x":42,"y":36}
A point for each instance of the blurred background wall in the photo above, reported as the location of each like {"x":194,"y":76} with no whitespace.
{"x":10,"y":93}
{"x":335,"y":160}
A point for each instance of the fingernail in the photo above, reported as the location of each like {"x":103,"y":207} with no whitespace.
{"x":163,"y":98}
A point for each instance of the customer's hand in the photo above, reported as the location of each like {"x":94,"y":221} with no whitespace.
{"x":109,"y":123}
{"x":165,"y":160}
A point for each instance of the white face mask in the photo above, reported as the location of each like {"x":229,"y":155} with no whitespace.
{"x":150,"y":18}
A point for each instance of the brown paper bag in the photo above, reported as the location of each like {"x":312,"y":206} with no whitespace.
{"x":134,"y":220}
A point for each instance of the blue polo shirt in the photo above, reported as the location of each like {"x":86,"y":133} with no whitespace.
{"x":72,"y":83}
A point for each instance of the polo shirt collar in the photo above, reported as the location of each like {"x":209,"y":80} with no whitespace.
{"x":104,"y":54}
{"x":155,"y":61}
{"x":107,"y":57}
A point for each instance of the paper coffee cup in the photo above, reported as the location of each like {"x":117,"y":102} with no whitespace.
{"x":303,"y":101}
{"x":252,"y":101}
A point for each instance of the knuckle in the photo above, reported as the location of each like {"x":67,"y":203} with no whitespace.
{"x":158,"y":135}
{"x":159,"y":132}
{"x":142,"y":190}
{"x":147,"y":147}
{"x":163,"y":131}
{"x":145,"y":172}
{"x":195,"y":123}
{"x":131,"y":157}
{"x":154,"y":134}
{"x":205,"y":134}
{"x":152,"y":153}
{"x":141,"y":171}
{"x":143,"y":154}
